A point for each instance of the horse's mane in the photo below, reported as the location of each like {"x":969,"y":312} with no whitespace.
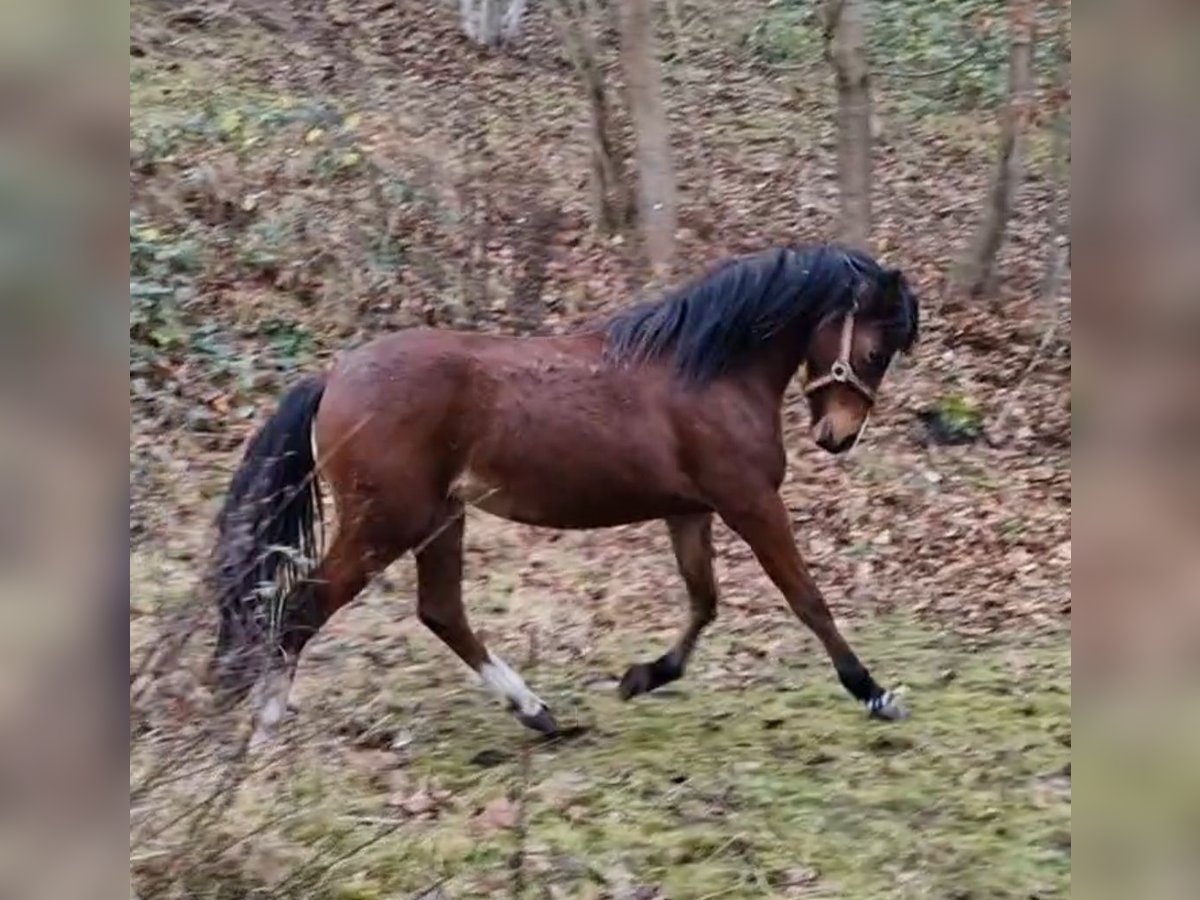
{"x":716,"y":322}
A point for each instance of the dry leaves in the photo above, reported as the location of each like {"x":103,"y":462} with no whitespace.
{"x":500,"y":814}
{"x":424,"y":803}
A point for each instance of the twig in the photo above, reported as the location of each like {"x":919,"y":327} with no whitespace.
{"x":225,"y":785}
{"x":430,"y":893}
{"x":523,"y":781}
{"x":899,"y":74}
{"x":221,"y":849}
{"x":370,"y":820}
{"x":450,"y":520}
{"x":156,"y":660}
{"x":318,"y":872}
{"x":721,"y":849}
{"x":929,"y":73}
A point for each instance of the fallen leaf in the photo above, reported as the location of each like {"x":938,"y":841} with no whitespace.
{"x":498,"y":815}
{"x":420,"y":803}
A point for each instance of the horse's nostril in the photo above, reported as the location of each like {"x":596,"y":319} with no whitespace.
{"x":826,"y":441}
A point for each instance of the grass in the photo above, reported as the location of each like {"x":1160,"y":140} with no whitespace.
{"x":769,"y":785}
{"x":727,"y":788}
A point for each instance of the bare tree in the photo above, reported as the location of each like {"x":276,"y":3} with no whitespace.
{"x":510,"y":28}
{"x":699,"y":181}
{"x":612,"y":202}
{"x":487,"y":23}
{"x":656,"y":174}
{"x":1060,"y":175}
{"x":846,"y":50}
{"x":977,"y":272}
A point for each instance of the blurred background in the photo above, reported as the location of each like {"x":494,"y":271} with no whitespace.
{"x":304,"y":176}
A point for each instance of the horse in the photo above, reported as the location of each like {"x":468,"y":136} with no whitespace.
{"x":668,"y":410}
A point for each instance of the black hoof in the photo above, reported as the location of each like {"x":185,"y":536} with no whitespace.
{"x":541,"y":721}
{"x":642,"y":678}
{"x":638,"y":679}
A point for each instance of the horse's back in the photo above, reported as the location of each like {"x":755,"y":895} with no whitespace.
{"x":535,"y":429}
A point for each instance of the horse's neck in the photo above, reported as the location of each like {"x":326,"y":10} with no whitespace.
{"x":780,"y":359}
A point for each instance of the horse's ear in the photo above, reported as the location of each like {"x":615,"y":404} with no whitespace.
{"x":891,"y":280}
{"x":887,"y":291}
{"x":900,"y":301}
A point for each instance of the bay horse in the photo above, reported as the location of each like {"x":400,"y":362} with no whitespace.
{"x":668,"y":410}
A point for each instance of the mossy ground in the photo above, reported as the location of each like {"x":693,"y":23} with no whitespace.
{"x":769,"y":784}
{"x":719,"y":790}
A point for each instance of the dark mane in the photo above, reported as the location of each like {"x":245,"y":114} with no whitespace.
{"x":715,"y":323}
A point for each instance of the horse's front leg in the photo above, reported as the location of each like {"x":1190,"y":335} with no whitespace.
{"x":762,"y":520}
{"x":691,"y":540}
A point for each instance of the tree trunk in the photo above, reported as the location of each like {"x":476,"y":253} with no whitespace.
{"x":486,"y":23}
{"x":511,"y":28}
{"x":656,"y":175}
{"x":846,"y":49}
{"x":978,"y":273}
{"x":1060,"y":151}
{"x":612,"y":202}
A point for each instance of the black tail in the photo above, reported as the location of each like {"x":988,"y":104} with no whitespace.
{"x":268,"y":537}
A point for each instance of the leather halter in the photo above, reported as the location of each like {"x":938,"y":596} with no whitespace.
{"x":842,"y":370}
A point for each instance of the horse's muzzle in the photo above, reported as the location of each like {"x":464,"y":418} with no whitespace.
{"x":835,"y":446}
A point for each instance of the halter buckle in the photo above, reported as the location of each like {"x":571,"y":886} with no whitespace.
{"x":840,"y":371}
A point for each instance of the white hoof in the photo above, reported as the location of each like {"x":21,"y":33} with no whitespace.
{"x":887,"y":706}
{"x":261,"y":737}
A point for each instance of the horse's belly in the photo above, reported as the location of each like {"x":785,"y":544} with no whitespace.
{"x":482,"y":492}
{"x":542,"y":499}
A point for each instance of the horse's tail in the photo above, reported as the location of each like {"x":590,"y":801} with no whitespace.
{"x":268,"y":538}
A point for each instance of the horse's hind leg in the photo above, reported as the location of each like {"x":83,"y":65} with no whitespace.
{"x":763,"y":522}
{"x":440,"y":608}
{"x":691,"y":541}
{"x":356,"y":554}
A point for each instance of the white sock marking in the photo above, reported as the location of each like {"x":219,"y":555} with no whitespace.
{"x":887,"y":706}
{"x":507,"y":684}
{"x":270,"y":703}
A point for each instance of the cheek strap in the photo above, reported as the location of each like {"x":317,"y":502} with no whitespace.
{"x":842,"y":371}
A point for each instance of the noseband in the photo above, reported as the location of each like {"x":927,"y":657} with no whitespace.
{"x":842,"y":370}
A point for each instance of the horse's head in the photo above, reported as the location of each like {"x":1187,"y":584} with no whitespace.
{"x":849,"y":355}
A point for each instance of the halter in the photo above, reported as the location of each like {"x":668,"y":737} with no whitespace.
{"x":842,"y":370}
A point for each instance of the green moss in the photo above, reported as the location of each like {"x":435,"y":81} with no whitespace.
{"x":738,"y":785}
{"x":732,"y":788}
{"x":954,"y":419}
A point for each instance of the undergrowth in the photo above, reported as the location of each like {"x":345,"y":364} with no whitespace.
{"x":931,"y":57}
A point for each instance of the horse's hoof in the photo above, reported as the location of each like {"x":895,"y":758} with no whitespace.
{"x":541,"y":721}
{"x":261,"y":737}
{"x":887,"y":706}
{"x":638,"y":679}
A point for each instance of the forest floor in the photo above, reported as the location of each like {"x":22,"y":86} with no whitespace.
{"x":306,"y":175}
